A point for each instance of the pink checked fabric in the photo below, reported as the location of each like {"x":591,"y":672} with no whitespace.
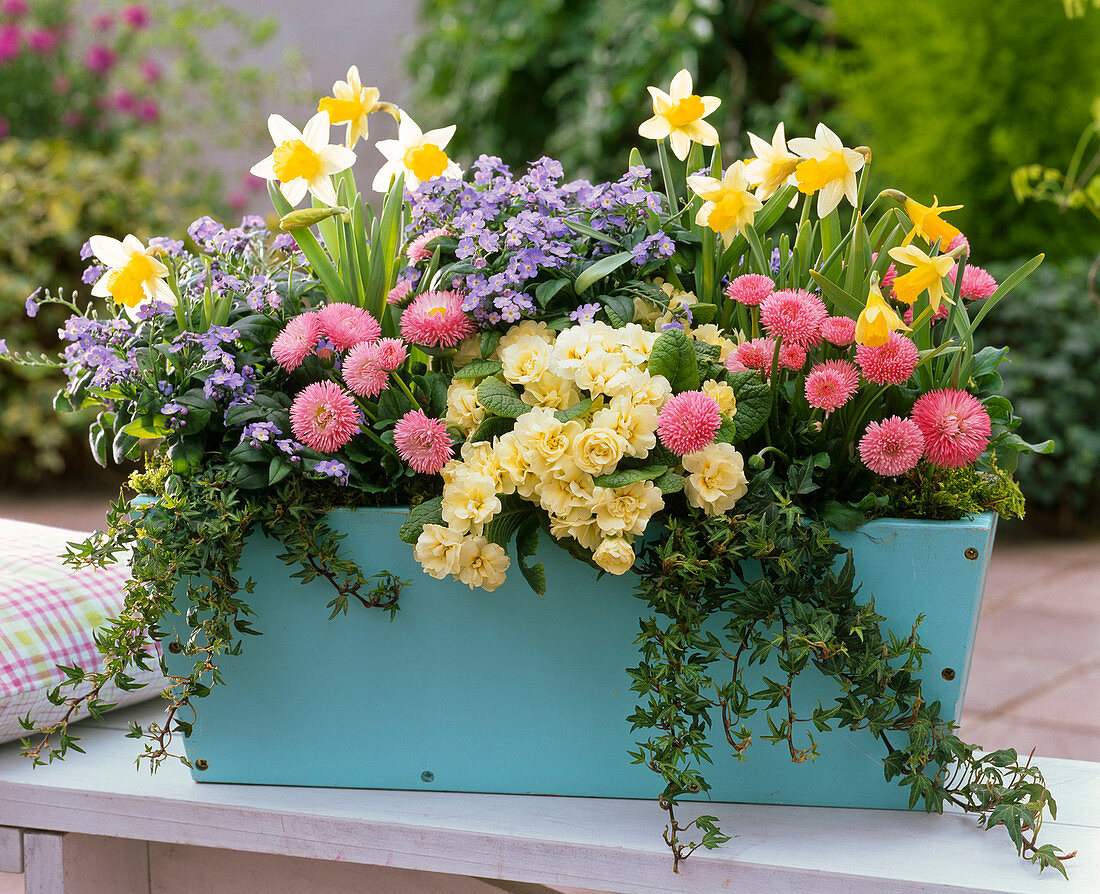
{"x":48,"y":616}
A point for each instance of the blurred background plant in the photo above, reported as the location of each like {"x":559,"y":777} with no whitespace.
{"x":106,"y":109}
{"x":568,"y":78}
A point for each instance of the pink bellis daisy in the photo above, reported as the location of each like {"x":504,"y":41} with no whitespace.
{"x":839,"y":331}
{"x":423,"y":442}
{"x":756,"y":354}
{"x":976,"y":283}
{"x":792,"y":357}
{"x":750,"y":289}
{"x":796,"y":315}
{"x":940,"y":313}
{"x":688,"y":422}
{"x":891,"y":447}
{"x":346,"y":325}
{"x":418,"y":249}
{"x":956,"y":242}
{"x":891,"y":363}
{"x":363,"y":371}
{"x":435,"y":319}
{"x":831,"y":384}
{"x":955,"y":426}
{"x":297,"y":341}
{"x":392,"y":353}
{"x":399,"y":293}
{"x":324,"y":417}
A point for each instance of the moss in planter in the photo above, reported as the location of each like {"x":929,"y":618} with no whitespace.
{"x":930,"y":492}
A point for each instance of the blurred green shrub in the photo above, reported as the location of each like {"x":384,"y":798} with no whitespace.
{"x":1052,"y":327}
{"x":568,"y":78}
{"x":954,"y":95}
{"x":109,"y":110}
{"x":53,"y":194}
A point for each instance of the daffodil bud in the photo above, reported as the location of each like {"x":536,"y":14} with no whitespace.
{"x":308,"y":217}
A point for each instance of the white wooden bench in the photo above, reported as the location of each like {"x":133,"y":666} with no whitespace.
{"x":93,"y":824}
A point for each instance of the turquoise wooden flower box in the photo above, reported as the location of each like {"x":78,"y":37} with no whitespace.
{"x":508,"y":692}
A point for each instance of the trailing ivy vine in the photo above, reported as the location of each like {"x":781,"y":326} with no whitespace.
{"x":782,"y":587}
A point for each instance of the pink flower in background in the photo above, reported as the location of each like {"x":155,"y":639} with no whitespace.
{"x":888,"y":279}
{"x":423,"y":442}
{"x":891,"y":363}
{"x":13,"y":8}
{"x":363,"y":371}
{"x":103,"y":22}
{"x":688,"y":422}
{"x":418,"y":250}
{"x":831,"y":384}
{"x":148,"y":111}
{"x":238,"y":201}
{"x":136,"y":16}
{"x":436,"y":319}
{"x":750,"y":289}
{"x":792,"y":357}
{"x":100,"y":59}
{"x":891,"y":447}
{"x":796,"y":315}
{"x":297,"y":340}
{"x":955,"y":425}
{"x":324,"y":417}
{"x":252,"y":183}
{"x":756,"y":354}
{"x":346,"y":325}
{"x":839,"y":331}
{"x":956,"y":242}
{"x":5,"y":128}
{"x":150,"y":70}
{"x":11,"y":41}
{"x":61,"y":85}
{"x":125,"y":101}
{"x":392,"y":353}
{"x":399,"y":292}
{"x":976,"y":283}
{"x":941,"y":313}
{"x":43,"y":41}
{"x":72,"y":118}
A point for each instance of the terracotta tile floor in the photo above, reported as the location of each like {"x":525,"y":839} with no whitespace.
{"x":1035,"y":674}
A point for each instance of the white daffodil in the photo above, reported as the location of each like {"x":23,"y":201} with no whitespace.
{"x":828,"y":168}
{"x":773,"y":166}
{"x":679,"y":116}
{"x":304,"y":160}
{"x":352,"y":103}
{"x":728,"y":207}
{"x":134,"y":276}
{"x":418,"y":155}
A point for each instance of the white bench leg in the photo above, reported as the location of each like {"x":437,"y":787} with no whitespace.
{"x":57,"y":863}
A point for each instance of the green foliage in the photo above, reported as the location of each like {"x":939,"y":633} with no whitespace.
{"x":800,"y":607}
{"x":954,"y":95}
{"x":928,"y":491}
{"x":1052,"y":328}
{"x":568,"y":78}
{"x":54,"y":195}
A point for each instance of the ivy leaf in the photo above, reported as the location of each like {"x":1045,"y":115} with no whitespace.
{"x":500,"y":399}
{"x":754,"y":403}
{"x":527,"y":544}
{"x":479,"y":369}
{"x":578,"y":409}
{"x":628,"y":476}
{"x":430,"y":512}
{"x":673,"y":356}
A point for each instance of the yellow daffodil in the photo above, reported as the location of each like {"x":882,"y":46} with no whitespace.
{"x":928,"y":224}
{"x":679,"y":116}
{"x":351,"y":103}
{"x":877,"y":319}
{"x":417,"y":154}
{"x":828,"y":168}
{"x":134,"y":276}
{"x":728,"y":206}
{"x":303,"y":160}
{"x":927,"y":274}
{"x":773,"y":166}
